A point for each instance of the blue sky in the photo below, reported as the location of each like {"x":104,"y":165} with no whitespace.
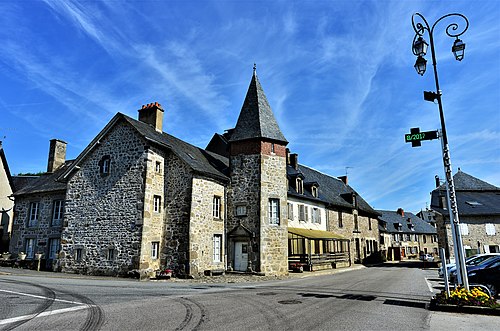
{"x":338,"y":74}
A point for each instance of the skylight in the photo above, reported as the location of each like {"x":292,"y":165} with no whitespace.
{"x":473,"y":203}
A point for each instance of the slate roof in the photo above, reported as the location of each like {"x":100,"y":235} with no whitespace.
{"x":331,"y":190}
{"x":44,"y":183}
{"x":392,"y":217}
{"x":256,"y":118}
{"x":199,"y":160}
{"x":474,"y":197}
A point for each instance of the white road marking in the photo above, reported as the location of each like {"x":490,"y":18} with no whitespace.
{"x":42,"y":297}
{"x":429,"y":285}
{"x":46,"y":313}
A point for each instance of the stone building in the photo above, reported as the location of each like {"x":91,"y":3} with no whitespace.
{"x":6,"y":202}
{"x":39,"y":209}
{"x":406,"y":236}
{"x":478,"y":205}
{"x":139,"y":199}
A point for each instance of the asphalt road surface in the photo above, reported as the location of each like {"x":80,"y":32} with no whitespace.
{"x":389,"y":297}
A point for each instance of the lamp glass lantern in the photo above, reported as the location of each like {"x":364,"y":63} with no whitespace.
{"x":420,"y":47}
{"x":420,"y":65}
{"x":458,"y":49}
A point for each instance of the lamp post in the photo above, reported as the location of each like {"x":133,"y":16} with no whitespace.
{"x":419,"y":49}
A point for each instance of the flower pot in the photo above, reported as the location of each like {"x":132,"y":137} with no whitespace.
{"x":6,"y":256}
{"x":21,"y":256}
{"x":38,"y":256}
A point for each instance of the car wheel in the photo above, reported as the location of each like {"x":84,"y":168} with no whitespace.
{"x":492,"y":289}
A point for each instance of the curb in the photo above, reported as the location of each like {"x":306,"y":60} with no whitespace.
{"x":433,"y":306}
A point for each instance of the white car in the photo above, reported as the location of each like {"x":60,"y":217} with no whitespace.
{"x":427,"y":257}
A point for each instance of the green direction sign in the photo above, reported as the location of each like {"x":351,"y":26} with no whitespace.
{"x":415,"y":136}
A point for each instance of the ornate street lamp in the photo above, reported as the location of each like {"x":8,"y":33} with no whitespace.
{"x":419,"y":49}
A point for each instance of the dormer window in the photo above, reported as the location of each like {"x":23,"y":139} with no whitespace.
{"x":314,"y":191}
{"x":105,"y":165}
{"x":300,"y":186}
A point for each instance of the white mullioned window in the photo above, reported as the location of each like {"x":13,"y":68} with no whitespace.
{"x":155,"y":249}
{"x":30,"y":248}
{"x":217,"y":207}
{"x":274,"y":211}
{"x":57,"y":212}
{"x":33,"y":216}
{"x":241,"y":210}
{"x":157,"y":204}
{"x":217,"y":248}
{"x":464,"y":229}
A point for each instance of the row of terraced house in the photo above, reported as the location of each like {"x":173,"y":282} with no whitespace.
{"x":138,"y":199}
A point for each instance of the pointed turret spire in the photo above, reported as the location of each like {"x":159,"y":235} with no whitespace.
{"x":256,"y":118}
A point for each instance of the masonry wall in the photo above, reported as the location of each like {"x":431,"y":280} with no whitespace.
{"x":153,"y":220}
{"x":274,"y":238}
{"x":204,"y":226}
{"x":366,"y":233}
{"x":177,"y":207}
{"x":43,"y":231}
{"x":475,"y":241}
{"x":104,"y":213}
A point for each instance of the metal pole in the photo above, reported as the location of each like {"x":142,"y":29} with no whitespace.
{"x":450,"y":187}
{"x":445,"y":271}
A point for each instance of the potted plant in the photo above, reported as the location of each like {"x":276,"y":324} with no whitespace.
{"x":38,"y":256}
{"x":6,"y":255}
{"x":21,"y":256}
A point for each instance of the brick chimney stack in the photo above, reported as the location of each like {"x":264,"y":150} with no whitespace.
{"x":57,"y":154}
{"x":343,"y":179}
{"x":401,"y":212}
{"x":152,"y":114}
{"x":294,"y":160}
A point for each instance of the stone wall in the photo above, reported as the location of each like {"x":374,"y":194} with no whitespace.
{"x":366,"y":235}
{"x":153,"y":221}
{"x":475,"y":240}
{"x":104,"y":212}
{"x":273,"y":238}
{"x":177,"y":192}
{"x":43,"y":231}
{"x":203,"y":226}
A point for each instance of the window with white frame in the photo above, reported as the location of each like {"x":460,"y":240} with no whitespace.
{"x":105,"y":165}
{"x":155,"y":249}
{"x":274,"y":211}
{"x":158,"y":167}
{"x":316,"y":214}
{"x":57,"y":213}
{"x":54,"y":246}
{"x":157,"y":204}
{"x":300,"y":186}
{"x":314,"y":191}
{"x":217,"y":207}
{"x":464,"y":229}
{"x":30,"y":247}
{"x":490,"y":229}
{"x":241,"y":210}
{"x":217,"y":248}
{"x":34,"y":212}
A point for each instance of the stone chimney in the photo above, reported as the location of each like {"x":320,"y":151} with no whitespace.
{"x":294,"y":160}
{"x":343,"y":179}
{"x":401,"y":212}
{"x":152,"y":114}
{"x":437,"y":180}
{"x":57,"y":154}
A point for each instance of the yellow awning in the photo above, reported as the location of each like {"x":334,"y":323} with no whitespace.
{"x":315,"y":234}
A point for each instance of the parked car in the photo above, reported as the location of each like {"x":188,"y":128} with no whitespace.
{"x":472,"y":260}
{"x":489,"y":277}
{"x":482,"y":265}
{"x":427,"y":257}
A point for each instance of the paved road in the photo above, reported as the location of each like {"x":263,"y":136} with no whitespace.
{"x":390,"y":297}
